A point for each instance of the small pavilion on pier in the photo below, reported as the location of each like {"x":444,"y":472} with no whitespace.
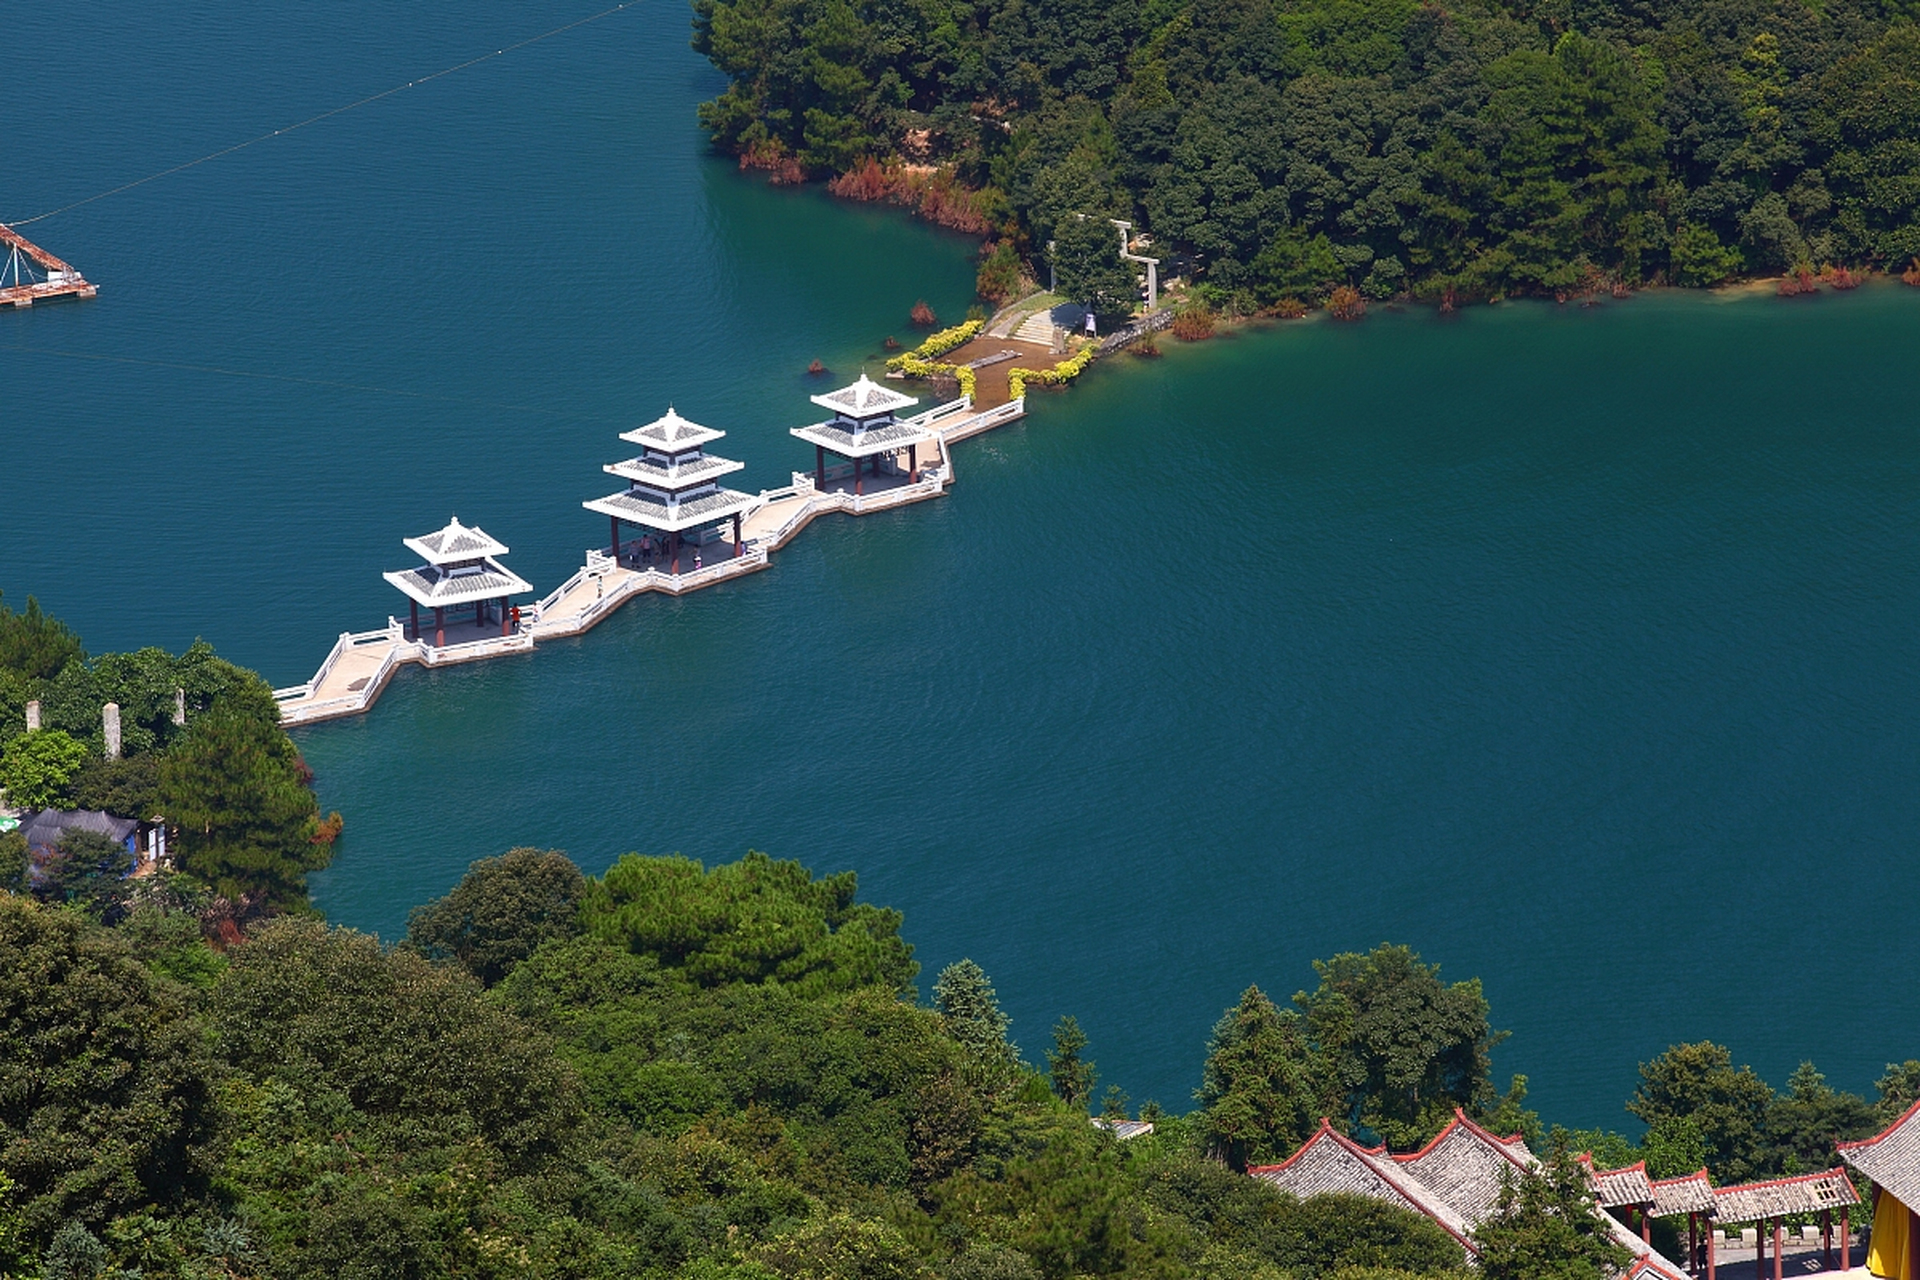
{"x":462,"y":572}
{"x":866,"y":430}
{"x":673,"y":489}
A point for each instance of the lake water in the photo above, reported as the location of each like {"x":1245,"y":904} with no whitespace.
{"x":1572,"y":647}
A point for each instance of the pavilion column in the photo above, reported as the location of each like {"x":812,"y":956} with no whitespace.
{"x":676,"y":552}
{"x":736,"y":533}
{"x":1846,"y":1239}
{"x":820,"y":468}
{"x":1776,"y":1249}
{"x":413,"y":609}
{"x":1646,"y":1227}
{"x":856,"y":477}
{"x":503,"y":615}
{"x":1693,"y":1243}
{"x":616,"y":537}
{"x":439,"y":626}
{"x":1826,"y":1239}
{"x":1713,"y":1243}
{"x":913,"y":463}
{"x":1760,"y":1248}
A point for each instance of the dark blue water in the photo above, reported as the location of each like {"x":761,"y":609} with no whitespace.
{"x":1573,"y":648}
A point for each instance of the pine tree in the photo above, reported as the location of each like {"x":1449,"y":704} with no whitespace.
{"x":1545,"y":1227}
{"x":965,"y":999}
{"x":1263,"y":1088}
{"x":234,"y":788}
{"x":1073,"y":1077}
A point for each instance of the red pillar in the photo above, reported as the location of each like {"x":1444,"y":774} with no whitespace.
{"x":439,"y":626}
{"x":1760,"y":1249}
{"x":1826,"y":1239}
{"x":676,"y":552}
{"x":820,"y":467}
{"x":503,"y":615}
{"x":1713,"y":1241}
{"x":856,"y":477}
{"x":413,"y":608}
{"x":736,"y":533}
{"x":913,"y":463}
{"x":1646,"y":1228}
{"x":1776,"y":1249}
{"x":1846,"y":1240}
{"x":616,"y":536}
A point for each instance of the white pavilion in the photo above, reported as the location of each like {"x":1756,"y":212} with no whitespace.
{"x":461,"y":571}
{"x":673,"y":487}
{"x":865,"y":429}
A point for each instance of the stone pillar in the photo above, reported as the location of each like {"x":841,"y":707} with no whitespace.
{"x":180,"y":706}
{"x":110,"y":729}
{"x":33,"y":715}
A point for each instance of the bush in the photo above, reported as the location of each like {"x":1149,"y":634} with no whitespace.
{"x":922,"y":315}
{"x":1346,"y":303}
{"x":1194,"y":323}
{"x":36,"y":767}
{"x":500,"y":912}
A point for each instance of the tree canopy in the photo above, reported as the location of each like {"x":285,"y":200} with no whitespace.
{"x":500,"y":912}
{"x":1278,"y":148}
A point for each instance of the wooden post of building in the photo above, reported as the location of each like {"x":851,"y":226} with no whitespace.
{"x":676,"y":552}
{"x":1776,"y":1249}
{"x":503,"y":615}
{"x":616,"y":538}
{"x":1713,"y":1243}
{"x":856,"y":477}
{"x":1826,"y":1239}
{"x":1646,"y":1226}
{"x":413,"y":609}
{"x":820,"y":467}
{"x":913,"y":463}
{"x":736,"y":534}
{"x":1846,"y":1239}
{"x":439,"y":626}
{"x":1760,"y":1249}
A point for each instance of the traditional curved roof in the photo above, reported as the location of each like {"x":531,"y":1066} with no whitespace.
{"x":1891,"y":1157}
{"x":455,"y":543}
{"x":864,"y":399}
{"x":1467,"y":1165}
{"x":1330,"y":1162}
{"x":1619,"y":1188}
{"x":1690,"y":1194}
{"x":670,"y":432}
{"x":445,"y":587}
{"x":1751,"y":1201}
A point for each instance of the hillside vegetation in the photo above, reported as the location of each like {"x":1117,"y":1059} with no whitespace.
{"x":1279,"y":148}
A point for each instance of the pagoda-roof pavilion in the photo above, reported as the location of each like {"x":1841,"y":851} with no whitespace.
{"x":672,"y":486}
{"x":461,"y":572}
{"x":865,"y":427}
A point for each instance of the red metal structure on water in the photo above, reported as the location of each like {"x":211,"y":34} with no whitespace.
{"x":29,"y":274}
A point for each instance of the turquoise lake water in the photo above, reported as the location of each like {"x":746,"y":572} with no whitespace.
{"x":1574,"y":648}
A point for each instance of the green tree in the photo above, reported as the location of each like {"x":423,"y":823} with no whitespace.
{"x":1402,"y":1048}
{"x":36,"y":767}
{"x":1545,"y":1226}
{"x":1898,"y":1090}
{"x":756,"y":920}
{"x":1073,"y":1076}
{"x":110,"y":1106}
{"x":500,"y":912}
{"x":1803,"y":1124}
{"x":16,"y":1258}
{"x":1087,"y":265}
{"x":1699,"y":260}
{"x":235,"y":789}
{"x":1263,"y":1089}
{"x":1295,"y":265}
{"x":972,"y":1015}
{"x":14,"y":861}
{"x":89,"y":869}
{"x":34,"y":645}
{"x":1729,"y":1107}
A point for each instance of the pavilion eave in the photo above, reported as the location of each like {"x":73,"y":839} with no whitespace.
{"x":706,"y":510}
{"x":888,"y":439}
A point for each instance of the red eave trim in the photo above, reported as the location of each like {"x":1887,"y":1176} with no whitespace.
{"x":1838,"y":1171}
{"x":1867,"y":1142}
{"x":1698,"y":1175}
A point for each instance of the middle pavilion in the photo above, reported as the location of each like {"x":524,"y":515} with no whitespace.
{"x":672,"y":489}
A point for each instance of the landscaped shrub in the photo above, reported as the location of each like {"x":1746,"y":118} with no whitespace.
{"x":1345,"y":303}
{"x":1194,"y":323}
{"x":1061,"y":374}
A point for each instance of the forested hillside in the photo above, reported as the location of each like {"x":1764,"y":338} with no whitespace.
{"x":729,"y":1073}
{"x":1281,"y":147}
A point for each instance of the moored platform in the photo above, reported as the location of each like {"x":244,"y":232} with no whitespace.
{"x":23,"y":262}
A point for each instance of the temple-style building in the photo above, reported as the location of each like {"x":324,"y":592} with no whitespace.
{"x":672,"y":489}
{"x":866,"y":430}
{"x":461,"y":572}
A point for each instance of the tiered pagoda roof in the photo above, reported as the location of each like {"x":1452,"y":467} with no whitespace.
{"x":672,"y":485}
{"x":864,"y":421}
{"x":1891,"y":1157}
{"x":460,"y":568}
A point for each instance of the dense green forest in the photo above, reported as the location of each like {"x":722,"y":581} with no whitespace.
{"x":728,"y":1073}
{"x":1275,"y":149}
{"x":201,"y":746}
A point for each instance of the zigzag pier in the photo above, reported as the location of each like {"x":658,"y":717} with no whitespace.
{"x":693,"y":534}
{"x":29,"y":274}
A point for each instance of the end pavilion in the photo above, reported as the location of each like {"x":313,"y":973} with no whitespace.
{"x":866,"y":430}
{"x":461,"y":572}
{"x":673,"y":487}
